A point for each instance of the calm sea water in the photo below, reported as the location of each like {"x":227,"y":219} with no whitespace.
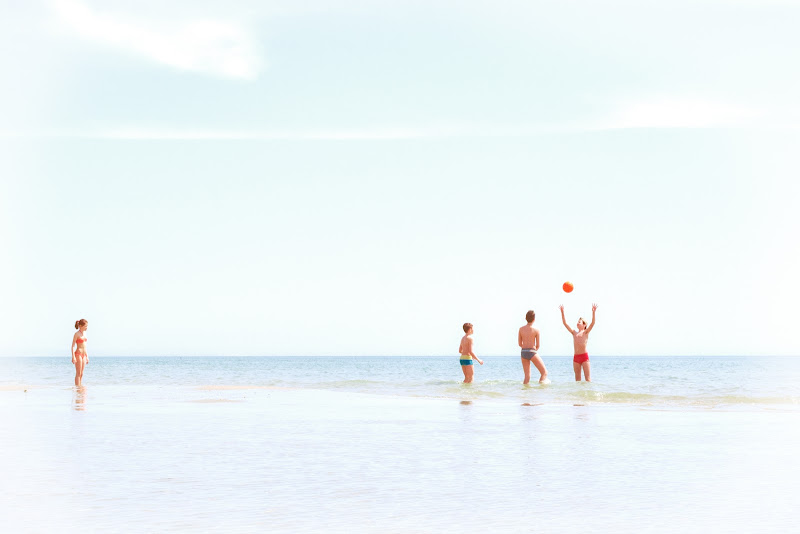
{"x":398,"y":445}
{"x":646,"y":381}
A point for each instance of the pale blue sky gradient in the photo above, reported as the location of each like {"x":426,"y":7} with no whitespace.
{"x":362,"y":179}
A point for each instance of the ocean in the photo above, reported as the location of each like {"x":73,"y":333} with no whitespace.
{"x":703,"y":382}
{"x":399,"y":444}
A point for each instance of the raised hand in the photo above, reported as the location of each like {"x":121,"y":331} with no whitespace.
{"x":561,"y":307}
{"x":594,"y":307}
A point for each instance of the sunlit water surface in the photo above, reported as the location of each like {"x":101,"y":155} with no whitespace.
{"x":398,"y":445}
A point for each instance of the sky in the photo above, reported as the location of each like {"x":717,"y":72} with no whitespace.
{"x":350,"y":178}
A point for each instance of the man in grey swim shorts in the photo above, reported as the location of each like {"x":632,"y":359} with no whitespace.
{"x":528,"y":339}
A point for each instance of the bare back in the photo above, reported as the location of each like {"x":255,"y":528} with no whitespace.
{"x":528,"y":337}
{"x":465,"y":348}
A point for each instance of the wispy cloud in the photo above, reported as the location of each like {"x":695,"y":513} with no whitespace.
{"x":213,"y":47}
{"x":679,"y":112}
{"x":647,"y":113}
{"x":335,"y":134}
{"x":652,"y":113}
{"x":189,"y":134}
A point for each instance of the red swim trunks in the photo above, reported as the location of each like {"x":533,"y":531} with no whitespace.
{"x":580,"y":358}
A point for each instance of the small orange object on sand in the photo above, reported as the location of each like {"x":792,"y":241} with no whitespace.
{"x":568,"y":287}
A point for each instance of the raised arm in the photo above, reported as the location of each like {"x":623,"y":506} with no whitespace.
{"x":589,"y":328}
{"x":564,"y":320}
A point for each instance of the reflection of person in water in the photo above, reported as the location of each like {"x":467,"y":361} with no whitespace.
{"x":80,"y":399}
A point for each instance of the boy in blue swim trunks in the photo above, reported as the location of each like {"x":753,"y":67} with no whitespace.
{"x":467,"y":355}
{"x":528,"y":339}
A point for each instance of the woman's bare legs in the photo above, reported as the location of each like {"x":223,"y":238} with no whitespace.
{"x":526,"y":368}
{"x":577,"y":368}
{"x":80,"y":363}
{"x":587,"y":371}
{"x":468,"y":372}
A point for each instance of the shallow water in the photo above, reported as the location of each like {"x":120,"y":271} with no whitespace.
{"x":129,"y":459}
{"x":652,"y":381}
{"x":216,"y":445}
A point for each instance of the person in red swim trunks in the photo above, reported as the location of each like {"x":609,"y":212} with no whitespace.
{"x":580,"y":337}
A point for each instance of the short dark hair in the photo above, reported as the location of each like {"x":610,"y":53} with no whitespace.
{"x":467,"y":326}
{"x":530,"y":316}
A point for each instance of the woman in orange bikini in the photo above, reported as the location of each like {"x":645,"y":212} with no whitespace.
{"x":78,"y":350}
{"x":580,"y":338}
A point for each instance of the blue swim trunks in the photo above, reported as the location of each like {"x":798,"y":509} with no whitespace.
{"x":466,"y":362}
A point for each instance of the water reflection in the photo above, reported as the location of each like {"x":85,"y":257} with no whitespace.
{"x":79,"y":400}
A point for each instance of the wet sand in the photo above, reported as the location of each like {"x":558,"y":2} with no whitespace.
{"x":160,"y":459}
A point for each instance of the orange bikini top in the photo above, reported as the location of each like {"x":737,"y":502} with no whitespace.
{"x":81,"y":340}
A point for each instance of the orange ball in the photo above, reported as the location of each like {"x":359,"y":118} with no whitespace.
{"x":568,"y":287}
